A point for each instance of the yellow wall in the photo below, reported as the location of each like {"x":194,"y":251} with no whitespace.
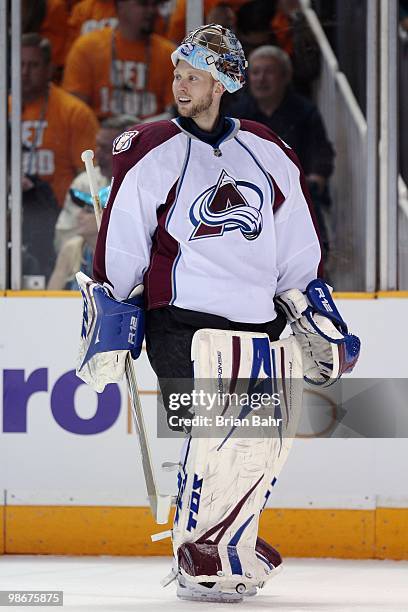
{"x":84,"y":530}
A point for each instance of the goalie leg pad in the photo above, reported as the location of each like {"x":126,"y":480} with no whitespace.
{"x":224,"y":482}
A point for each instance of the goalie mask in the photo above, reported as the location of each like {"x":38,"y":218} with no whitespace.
{"x":216,"y":50}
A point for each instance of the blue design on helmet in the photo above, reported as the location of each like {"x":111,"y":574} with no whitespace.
{"x":216,"y":50}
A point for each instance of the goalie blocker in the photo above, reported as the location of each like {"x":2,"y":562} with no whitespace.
{"x":110,"y":329}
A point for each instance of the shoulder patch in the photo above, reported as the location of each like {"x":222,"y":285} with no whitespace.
{"x":122,"y":143}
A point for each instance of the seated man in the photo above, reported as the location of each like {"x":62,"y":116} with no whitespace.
{"x":48,"y":18}
{"x":123,"y":70}
{"x":56,"y":127}
{"x":282,"y":23}
{"x":67,"y":223}
{"x":270,"y":100}
{"x":40,"y":210}
{"x":223,"y":14}
{"x":177,"y":24}
{"x":90,"y":15}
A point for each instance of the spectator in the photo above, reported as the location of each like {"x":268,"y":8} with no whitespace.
{"x":67,"y":223}
{"x":40,"y":210}
{"x":77,"y":252}
{"x":177,"y":24}
{"x":271,"y":101}
{"x":56,"y":127}
{"x":298,"y":40}
{"x":126,"y":69}
{"x":254,"y":24}
{"x":90,"y":15}
{"x":224,"y":15}
{"x":49,"y":19}
{"x":282,"y":23}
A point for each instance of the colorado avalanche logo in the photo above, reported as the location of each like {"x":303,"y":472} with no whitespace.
{"x":122,"y":143}
{"x":224,"y":208}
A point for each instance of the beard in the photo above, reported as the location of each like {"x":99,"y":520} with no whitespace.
{"x":196,"y":109}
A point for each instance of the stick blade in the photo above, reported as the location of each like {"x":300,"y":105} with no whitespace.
{"x":160,"y":506}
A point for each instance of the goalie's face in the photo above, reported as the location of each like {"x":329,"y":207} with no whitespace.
{"x":195,"y":91}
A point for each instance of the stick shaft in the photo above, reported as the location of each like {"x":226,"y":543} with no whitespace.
{"x":87,"y":158}
{"x":137,"y":413}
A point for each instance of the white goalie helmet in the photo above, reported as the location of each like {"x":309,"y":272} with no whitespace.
{"x":217,"y":50}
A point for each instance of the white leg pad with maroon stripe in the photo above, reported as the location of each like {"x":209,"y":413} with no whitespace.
{"x":227,"y":471}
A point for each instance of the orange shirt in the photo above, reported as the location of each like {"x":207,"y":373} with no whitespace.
{"x":142,"y":73}
{"x":54,"y":134}
{"x":90,"y":15}
{"x":283,"y":30}
{"x":54,"y":28}
{"x":177,"y":25}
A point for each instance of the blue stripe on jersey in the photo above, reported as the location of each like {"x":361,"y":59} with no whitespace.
{"x":183,"y":173}
{"x":228,"y":133}
{"x":173,"y":278}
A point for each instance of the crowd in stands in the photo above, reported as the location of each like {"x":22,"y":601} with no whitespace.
{"x":93,"y":68}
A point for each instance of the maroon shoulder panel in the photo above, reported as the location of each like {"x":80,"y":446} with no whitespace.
{"x":129,"y":149}
{"x":267,"y":134}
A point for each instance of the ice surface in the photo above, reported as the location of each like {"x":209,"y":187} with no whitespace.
{"x":125,"y":584}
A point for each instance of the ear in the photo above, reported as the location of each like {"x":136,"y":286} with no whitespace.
{"x":219,"y":88}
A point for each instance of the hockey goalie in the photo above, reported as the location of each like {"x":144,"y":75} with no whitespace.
{"x":207,"y":248}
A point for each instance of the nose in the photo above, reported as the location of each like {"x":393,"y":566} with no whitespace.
{"x":259,"y":80}
{"x":181,"y":85}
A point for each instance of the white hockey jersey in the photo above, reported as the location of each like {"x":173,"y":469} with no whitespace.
{"x":218,"y":229}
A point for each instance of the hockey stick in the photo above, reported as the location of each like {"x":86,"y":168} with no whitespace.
{"x":159,"y":504}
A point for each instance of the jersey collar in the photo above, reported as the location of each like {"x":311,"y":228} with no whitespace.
{"x":226,"y":129}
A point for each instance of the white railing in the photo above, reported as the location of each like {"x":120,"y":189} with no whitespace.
{"x":364,"y":184}
{"x":402,"y":187}
{"x":402,"y":235}
{"x":347,"y":129}
{"x":350,"y":239}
